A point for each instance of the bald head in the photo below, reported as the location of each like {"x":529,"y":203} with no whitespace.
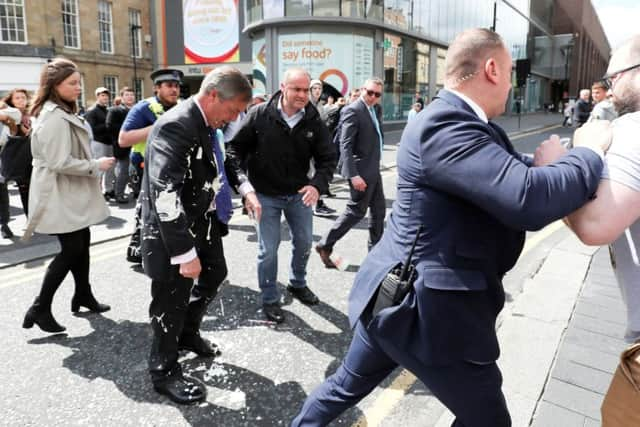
{"x":468,"y":53}
{"x":295,"y":73}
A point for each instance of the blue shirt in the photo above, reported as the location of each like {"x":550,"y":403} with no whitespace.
{"x":140,"y":116}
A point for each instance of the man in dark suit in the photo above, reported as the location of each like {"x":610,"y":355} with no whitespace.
{"x":460,"y":179}
{"x":360,"y":137}
{"x":186,"y":206}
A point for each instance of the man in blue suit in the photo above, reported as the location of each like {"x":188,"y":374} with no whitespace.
{"x":459,"y":178}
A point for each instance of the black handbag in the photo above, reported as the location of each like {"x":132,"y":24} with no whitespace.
{"x":16,"y":158}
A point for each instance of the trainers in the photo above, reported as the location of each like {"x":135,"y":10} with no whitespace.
{"x":304,"y":294}
{"x":323,"y":210}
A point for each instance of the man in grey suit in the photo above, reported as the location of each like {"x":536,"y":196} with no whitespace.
{"x":360,"y":137}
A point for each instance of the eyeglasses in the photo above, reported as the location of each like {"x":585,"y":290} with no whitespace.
{"x":373,"y":93}
{"x":607,"y":79}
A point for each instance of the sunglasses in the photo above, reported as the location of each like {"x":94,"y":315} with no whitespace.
{"x":607,"y":79}
{"x":373,"y":93}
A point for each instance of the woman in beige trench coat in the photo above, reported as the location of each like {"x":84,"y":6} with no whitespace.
{"x":65,"y":197}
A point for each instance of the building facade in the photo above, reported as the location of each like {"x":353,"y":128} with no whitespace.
{"x":110,"y":41}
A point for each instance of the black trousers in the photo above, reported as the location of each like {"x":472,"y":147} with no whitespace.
{"x":373,"y":199}
{"x":178,"y":305}
{"x":74,"y":257}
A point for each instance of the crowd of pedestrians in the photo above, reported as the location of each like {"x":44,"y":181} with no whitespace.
{"x":183,"y":159}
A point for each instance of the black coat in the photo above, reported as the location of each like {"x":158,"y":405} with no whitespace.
{"x":177,"y":186}
{"x":97,"y":118}
{"x":278,"y":157}
{"x":114,"y":121}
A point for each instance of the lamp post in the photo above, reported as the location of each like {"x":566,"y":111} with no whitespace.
{"x":134,"y":28}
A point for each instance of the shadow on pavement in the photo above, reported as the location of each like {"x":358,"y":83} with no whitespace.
{"x":117,"y":352}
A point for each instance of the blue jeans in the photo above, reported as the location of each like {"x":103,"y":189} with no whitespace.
{"x":300,"y":220}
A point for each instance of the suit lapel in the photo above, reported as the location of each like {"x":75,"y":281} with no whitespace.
{"x":203,"y":131}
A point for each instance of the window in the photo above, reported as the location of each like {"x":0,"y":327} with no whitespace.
{"x":12,"y":21}
{"x":111,"y":83}
{"x":354,"y":8}
{"x":138,"y":89}
{"x":105,"y":27}
{"x":326,"y":7}
{"x":297,"y":7}
{"x":70,"y":24}
{"x":135,"y":33}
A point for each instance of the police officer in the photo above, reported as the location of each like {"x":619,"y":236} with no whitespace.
{"x":136,"y":129}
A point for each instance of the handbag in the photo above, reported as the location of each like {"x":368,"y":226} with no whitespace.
{"x":621,"y":405}
{"x":16,"y":158}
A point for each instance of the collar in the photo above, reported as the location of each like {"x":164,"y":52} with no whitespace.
{"x":206,"y":122}
{"x":279,"y":106}
{"x":471,"y":103}
{"x":367,"y":106}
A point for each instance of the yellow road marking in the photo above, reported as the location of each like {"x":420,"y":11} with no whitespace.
{"x":533,"y":132}
{"x":391,"y":396}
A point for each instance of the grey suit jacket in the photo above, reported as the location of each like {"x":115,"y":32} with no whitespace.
{"x":359,"y":141}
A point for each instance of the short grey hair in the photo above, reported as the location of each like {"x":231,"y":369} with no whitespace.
{"x":228,"y":82}
{"x":375,"y":80}
{"x":294,"y":71}
{"x":468,"y":51}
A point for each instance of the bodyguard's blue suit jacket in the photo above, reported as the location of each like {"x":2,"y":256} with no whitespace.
{"x":475,"y":197}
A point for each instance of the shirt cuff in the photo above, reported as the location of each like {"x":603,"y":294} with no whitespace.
{"x":245,"y":188}
{"x":185,"y":257}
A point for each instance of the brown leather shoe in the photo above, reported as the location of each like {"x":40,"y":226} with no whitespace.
{"x":324,"y":256}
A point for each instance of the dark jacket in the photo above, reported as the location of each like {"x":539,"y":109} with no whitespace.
{"x":359,"y":141}
{"x":115,"y":118}
{"x":177,"y":186}
{"x":461,"y":179}
{"x":97,"y":118}
{"x":278,"y":157}
{"x":581,"y":112}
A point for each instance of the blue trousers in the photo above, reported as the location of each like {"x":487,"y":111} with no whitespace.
{"x":472,"y":392}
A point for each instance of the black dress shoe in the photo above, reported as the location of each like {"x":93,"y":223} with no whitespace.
{"x":200,"y":346}
{"x":180,"y":389}
{"x":273,"y":312}
{"x":6,"y":231}
{"x":305,"y":295}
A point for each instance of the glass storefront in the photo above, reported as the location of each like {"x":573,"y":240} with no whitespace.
{"x":342,"y":60}
{"x":405,"y":58}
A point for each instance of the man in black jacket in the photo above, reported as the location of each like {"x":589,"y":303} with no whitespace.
{"x":115,"y":118}
{"x":582,"y":109}
{"x":186,"y":205}
{"x":101,"y":144}
{"x":277,"y":140}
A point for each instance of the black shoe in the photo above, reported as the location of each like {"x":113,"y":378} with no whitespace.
{"x":122,"y":200}
{"x":325,"y":256}
{"x":273,"y":312}
{"x":43,"y":318}
{"x":133,"y":255}
{"x":180,"y":389}
{"x":109,"y":195}
{"x":305,"y":295}
{"x":323,"y":210}
{"x":6,"y":231}
{"x":200,"y":346}
{"x":88,"y":301}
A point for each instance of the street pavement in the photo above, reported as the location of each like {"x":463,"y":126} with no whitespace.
{"x":560,"y":333}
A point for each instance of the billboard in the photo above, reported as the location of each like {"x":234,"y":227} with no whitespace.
{"x":344,"y":61}
{"x":211,"y":31}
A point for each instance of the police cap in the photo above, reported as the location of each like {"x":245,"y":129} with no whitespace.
{"x":166,"y":75}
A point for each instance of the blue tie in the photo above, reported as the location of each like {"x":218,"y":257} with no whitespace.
{"x":224,"y":208}
{"x":377,"y":125}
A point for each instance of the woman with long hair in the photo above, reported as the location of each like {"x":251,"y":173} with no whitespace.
{"x":19,"y":98}
{"x":65,"y":196}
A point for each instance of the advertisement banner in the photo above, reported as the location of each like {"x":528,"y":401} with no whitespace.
{"x":211,"y":31}
{"x":344,"y":61}
{"x":259,"y":66}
